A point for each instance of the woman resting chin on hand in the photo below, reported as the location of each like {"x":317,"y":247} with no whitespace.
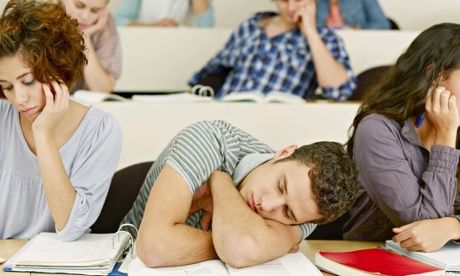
{"x":57,"y":157}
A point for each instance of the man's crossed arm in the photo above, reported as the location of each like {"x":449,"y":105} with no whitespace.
{"x":239,"y":236}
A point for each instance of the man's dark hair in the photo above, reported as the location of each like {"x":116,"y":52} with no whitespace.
{"x":333,"y":177}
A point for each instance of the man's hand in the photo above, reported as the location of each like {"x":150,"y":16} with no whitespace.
{"x":202,"y":199}
{"x":305,"y":18}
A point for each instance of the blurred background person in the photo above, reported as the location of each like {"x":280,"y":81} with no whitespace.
{"x":165,"y":13}
{"x":283,"y":51}
{"x":355,"y":14}
{"x":102,"y":42}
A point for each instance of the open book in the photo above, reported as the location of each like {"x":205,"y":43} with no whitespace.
{"x":88,"y":97}
{"x":182,"y":97}
{"x":260,"y":97}
{"x":91,"y":254}
{"x":448,"y":257}
{"x":292,"y":264}
{"x":373,"y":261}
{"x":199,"y":93}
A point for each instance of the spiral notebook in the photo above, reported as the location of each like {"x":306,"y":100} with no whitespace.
{"x":91,"y":254}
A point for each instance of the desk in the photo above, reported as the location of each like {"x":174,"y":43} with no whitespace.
{"x":308,"y":247}
{"x":7,"y":249}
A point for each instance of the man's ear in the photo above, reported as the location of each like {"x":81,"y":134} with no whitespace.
{"x":285,"y":152}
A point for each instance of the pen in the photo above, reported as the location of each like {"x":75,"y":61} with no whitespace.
{"x":420,"y":120}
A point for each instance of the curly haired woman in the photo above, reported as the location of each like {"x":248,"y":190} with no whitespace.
{"x":57,"y":157}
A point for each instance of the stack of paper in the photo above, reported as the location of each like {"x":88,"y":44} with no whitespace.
{"x":92,"y":254}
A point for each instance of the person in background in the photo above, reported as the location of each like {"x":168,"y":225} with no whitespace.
{"x":213,"y":175}
{"x":165,"y":13}
{"x":57,"y":157}
{"x":405,"y":143}
{"x":354,"y":14}
{"x":286,"y":52}
{"x":102,"y":42}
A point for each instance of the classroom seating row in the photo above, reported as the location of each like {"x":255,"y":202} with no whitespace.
{"x":408,"y":14}
{"x":148,"y":127}
{"x":164,"y":59}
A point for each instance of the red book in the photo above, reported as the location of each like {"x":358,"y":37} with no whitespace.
{"x":373,"y":261}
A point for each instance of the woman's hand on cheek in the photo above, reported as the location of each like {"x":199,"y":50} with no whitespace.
{"x":99,"y":25}
{"x":56,"y":103}
{"x":441,"y":109}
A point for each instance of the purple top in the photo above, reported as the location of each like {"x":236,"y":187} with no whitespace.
{"x":400,"y":180}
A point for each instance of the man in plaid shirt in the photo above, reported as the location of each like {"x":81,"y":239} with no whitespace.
{"x":283,"y":51}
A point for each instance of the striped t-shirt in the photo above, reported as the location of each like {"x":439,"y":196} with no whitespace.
{"x":196,"y":152}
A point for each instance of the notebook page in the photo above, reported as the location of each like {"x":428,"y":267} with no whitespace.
{"x":207,"y":268}
{"x":292,"y":264}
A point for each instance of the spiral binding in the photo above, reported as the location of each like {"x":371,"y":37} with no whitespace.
{"x":131,"y":239}
{"x":202,"y":90}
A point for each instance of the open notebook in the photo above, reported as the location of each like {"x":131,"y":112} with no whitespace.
{"x":292,"y":264}
{"x":260,"y":97}
{"x":89,"y":97}
{"x":91,"y":254}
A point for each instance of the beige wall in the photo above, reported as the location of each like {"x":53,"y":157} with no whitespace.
{"x":148,"y":127}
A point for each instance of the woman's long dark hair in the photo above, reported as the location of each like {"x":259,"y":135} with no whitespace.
{"x":402,"y":93}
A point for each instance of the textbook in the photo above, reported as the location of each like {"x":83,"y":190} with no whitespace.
{"x":91,"y":254}
{"x":88,"y":97}
{"x":373,"y":261}
{"x":260,"y":97}
{"x":448,"y":257}
{"x":291,"y":264}
{"x":182,"y":97}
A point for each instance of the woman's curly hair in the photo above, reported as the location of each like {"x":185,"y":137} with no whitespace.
{"x":46,"y":39}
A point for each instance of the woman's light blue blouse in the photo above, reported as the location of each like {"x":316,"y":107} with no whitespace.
{"x":128,"y":11}
{"x":90,"y":158}
{"x":366,"y":14}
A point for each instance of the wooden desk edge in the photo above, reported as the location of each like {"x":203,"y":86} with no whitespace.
{"x":307,"y":247}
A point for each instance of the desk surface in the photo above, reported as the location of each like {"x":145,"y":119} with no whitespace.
{"x":7,"y":249}
{"x":308,"y":247}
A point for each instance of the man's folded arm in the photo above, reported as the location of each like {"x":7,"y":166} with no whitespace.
{"x":164,"y":238}
{"x":241,"y":237}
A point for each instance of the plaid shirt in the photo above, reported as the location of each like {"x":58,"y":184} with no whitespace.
{"x":282,"y":63}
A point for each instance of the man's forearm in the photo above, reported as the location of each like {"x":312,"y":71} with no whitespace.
{"x":186,"y":245}
{"x":329,"y":71}
{"x":164,"y":238}
{"x":242,"y":237}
